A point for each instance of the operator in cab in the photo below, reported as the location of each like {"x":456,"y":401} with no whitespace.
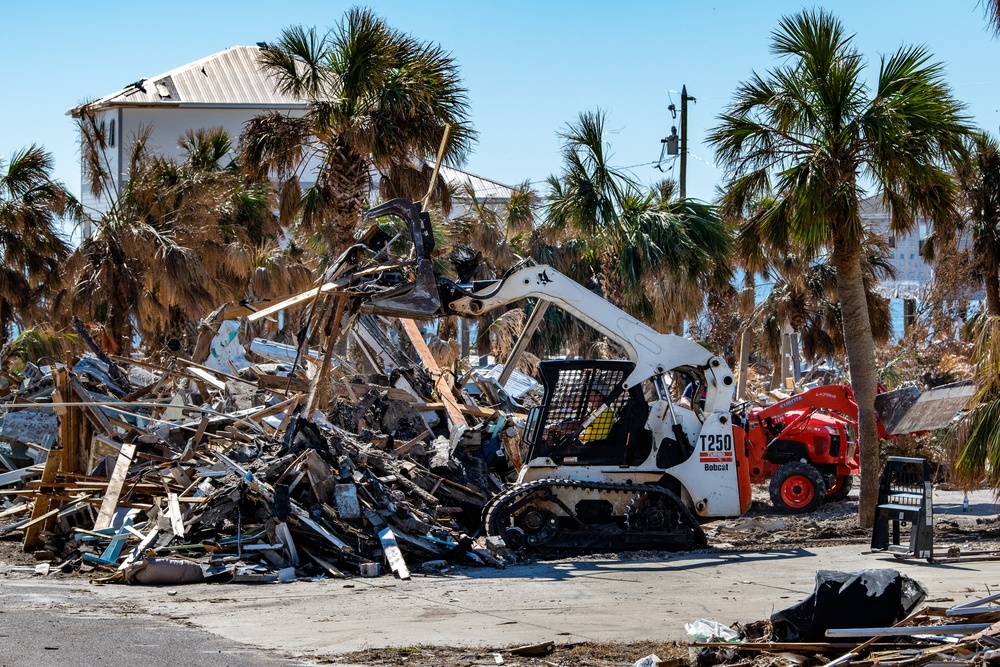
{"x":601,"y":427}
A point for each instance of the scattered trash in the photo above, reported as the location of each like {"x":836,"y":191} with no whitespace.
{"x":710,"y":631}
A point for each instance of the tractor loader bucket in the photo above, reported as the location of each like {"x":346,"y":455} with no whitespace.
{"x":422,"y":299}
{"x":908,"y":410}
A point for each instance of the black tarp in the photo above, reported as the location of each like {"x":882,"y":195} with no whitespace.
{"x":864,"y":599}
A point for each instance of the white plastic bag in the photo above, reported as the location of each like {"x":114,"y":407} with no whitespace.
{"x":707,"y":630}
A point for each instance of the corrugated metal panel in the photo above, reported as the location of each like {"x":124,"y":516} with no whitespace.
{"x":230,"y":77}
{"x":484,"y":188}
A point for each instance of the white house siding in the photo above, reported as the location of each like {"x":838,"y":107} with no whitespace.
{"x":95,"y":206}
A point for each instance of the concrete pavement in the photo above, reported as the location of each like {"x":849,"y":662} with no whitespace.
{"x":567,"y":601}
{"x":59,"y":620}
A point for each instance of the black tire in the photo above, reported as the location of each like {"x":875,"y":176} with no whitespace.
{"x":843,"y":485}
{"x":797,"y":488}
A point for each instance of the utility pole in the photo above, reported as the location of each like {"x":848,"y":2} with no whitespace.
{"x":684,"y":139}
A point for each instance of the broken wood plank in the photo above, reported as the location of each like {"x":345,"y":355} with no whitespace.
{"x":289,"y":413}
{"x":110,"y":501}
{"x":274,"y":409}
{"x":145,"y":543}
{"x":97,"y":417}
{"x":392,"y":553}
{"x":325,"y":564}
{"x":312,"y":293}
{"x":409,"y":445}
{"x":174,"y":514}
{"x":279,"y":383}
{"x":200,"y":433}
{"x":452,"y":411}
{"x":318,"y":389}
{"x":208,"y":378}
{"x":40,"y":511}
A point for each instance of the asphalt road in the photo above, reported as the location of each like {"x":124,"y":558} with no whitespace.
{"x":57,"y":620}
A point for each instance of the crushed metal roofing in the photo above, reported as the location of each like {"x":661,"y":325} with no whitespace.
{"x":229,"y":78}
{"x":484,"y":189}
{"x":872,"y":207}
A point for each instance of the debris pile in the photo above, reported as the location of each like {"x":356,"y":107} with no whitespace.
{"x":182,"y":471}
{"x":831,"y":628}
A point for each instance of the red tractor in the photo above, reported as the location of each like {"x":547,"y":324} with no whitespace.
{"x":807,"y":444}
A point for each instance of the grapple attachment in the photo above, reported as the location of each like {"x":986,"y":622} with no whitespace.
{"x":421,"y":300}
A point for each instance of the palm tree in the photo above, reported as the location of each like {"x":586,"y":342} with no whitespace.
{"x":655,"y":257}
{"x":142,"y":270}
{"x":991,"y":11}
{"x":378,"y":100}
{"x":808,"y":131}
{"x":978,"y":177}
{"x":31,"y":248}
{"x":804,"y":296}
{"x":975,"y":439}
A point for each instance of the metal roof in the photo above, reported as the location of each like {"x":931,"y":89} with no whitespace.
{"x":484,"y":188}
{"x":229,"y":78}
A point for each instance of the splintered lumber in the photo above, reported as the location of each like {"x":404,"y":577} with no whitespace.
{"x":200,"y":433}
{"x":317,"y":392}
{"x":325,"y":564}
{"x":312,"y":293}
{"x":451,"y":407}
{"x":174,"y":514}
{"x":42,"y":503}
{"x":393,"y":554}
{"x":280,"y":383}
{"x":145,"y":543}
{"x":110,"y":501}
{"x":97,"y":417}
{"x":274,"y":409}
{"x":407,"y":446}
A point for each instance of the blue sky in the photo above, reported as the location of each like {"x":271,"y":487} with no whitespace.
{"x":530,"y":67}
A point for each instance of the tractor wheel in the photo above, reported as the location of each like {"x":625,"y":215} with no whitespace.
{"x":797,"y":488}
{"x":839,"y":488}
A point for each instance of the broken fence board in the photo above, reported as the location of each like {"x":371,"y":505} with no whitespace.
{"x":40,"y":510}
{"x":110,"y":501}
{"x":174,"y":514}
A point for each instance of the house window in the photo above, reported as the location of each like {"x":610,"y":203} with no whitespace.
{"x":892,"y":241}
{"x":111,"y":133}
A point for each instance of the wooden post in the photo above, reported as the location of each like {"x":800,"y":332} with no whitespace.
{"x":43,"y":502}
{"x":318,"y":391}
{"x":743,"y":366}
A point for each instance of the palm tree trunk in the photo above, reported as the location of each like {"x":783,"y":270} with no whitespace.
{"x":861,"y":357}
{"x":991,"y":276}
{"x":347,"y":182}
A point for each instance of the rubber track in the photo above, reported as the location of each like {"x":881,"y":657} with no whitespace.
{"x":493,"y":511}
